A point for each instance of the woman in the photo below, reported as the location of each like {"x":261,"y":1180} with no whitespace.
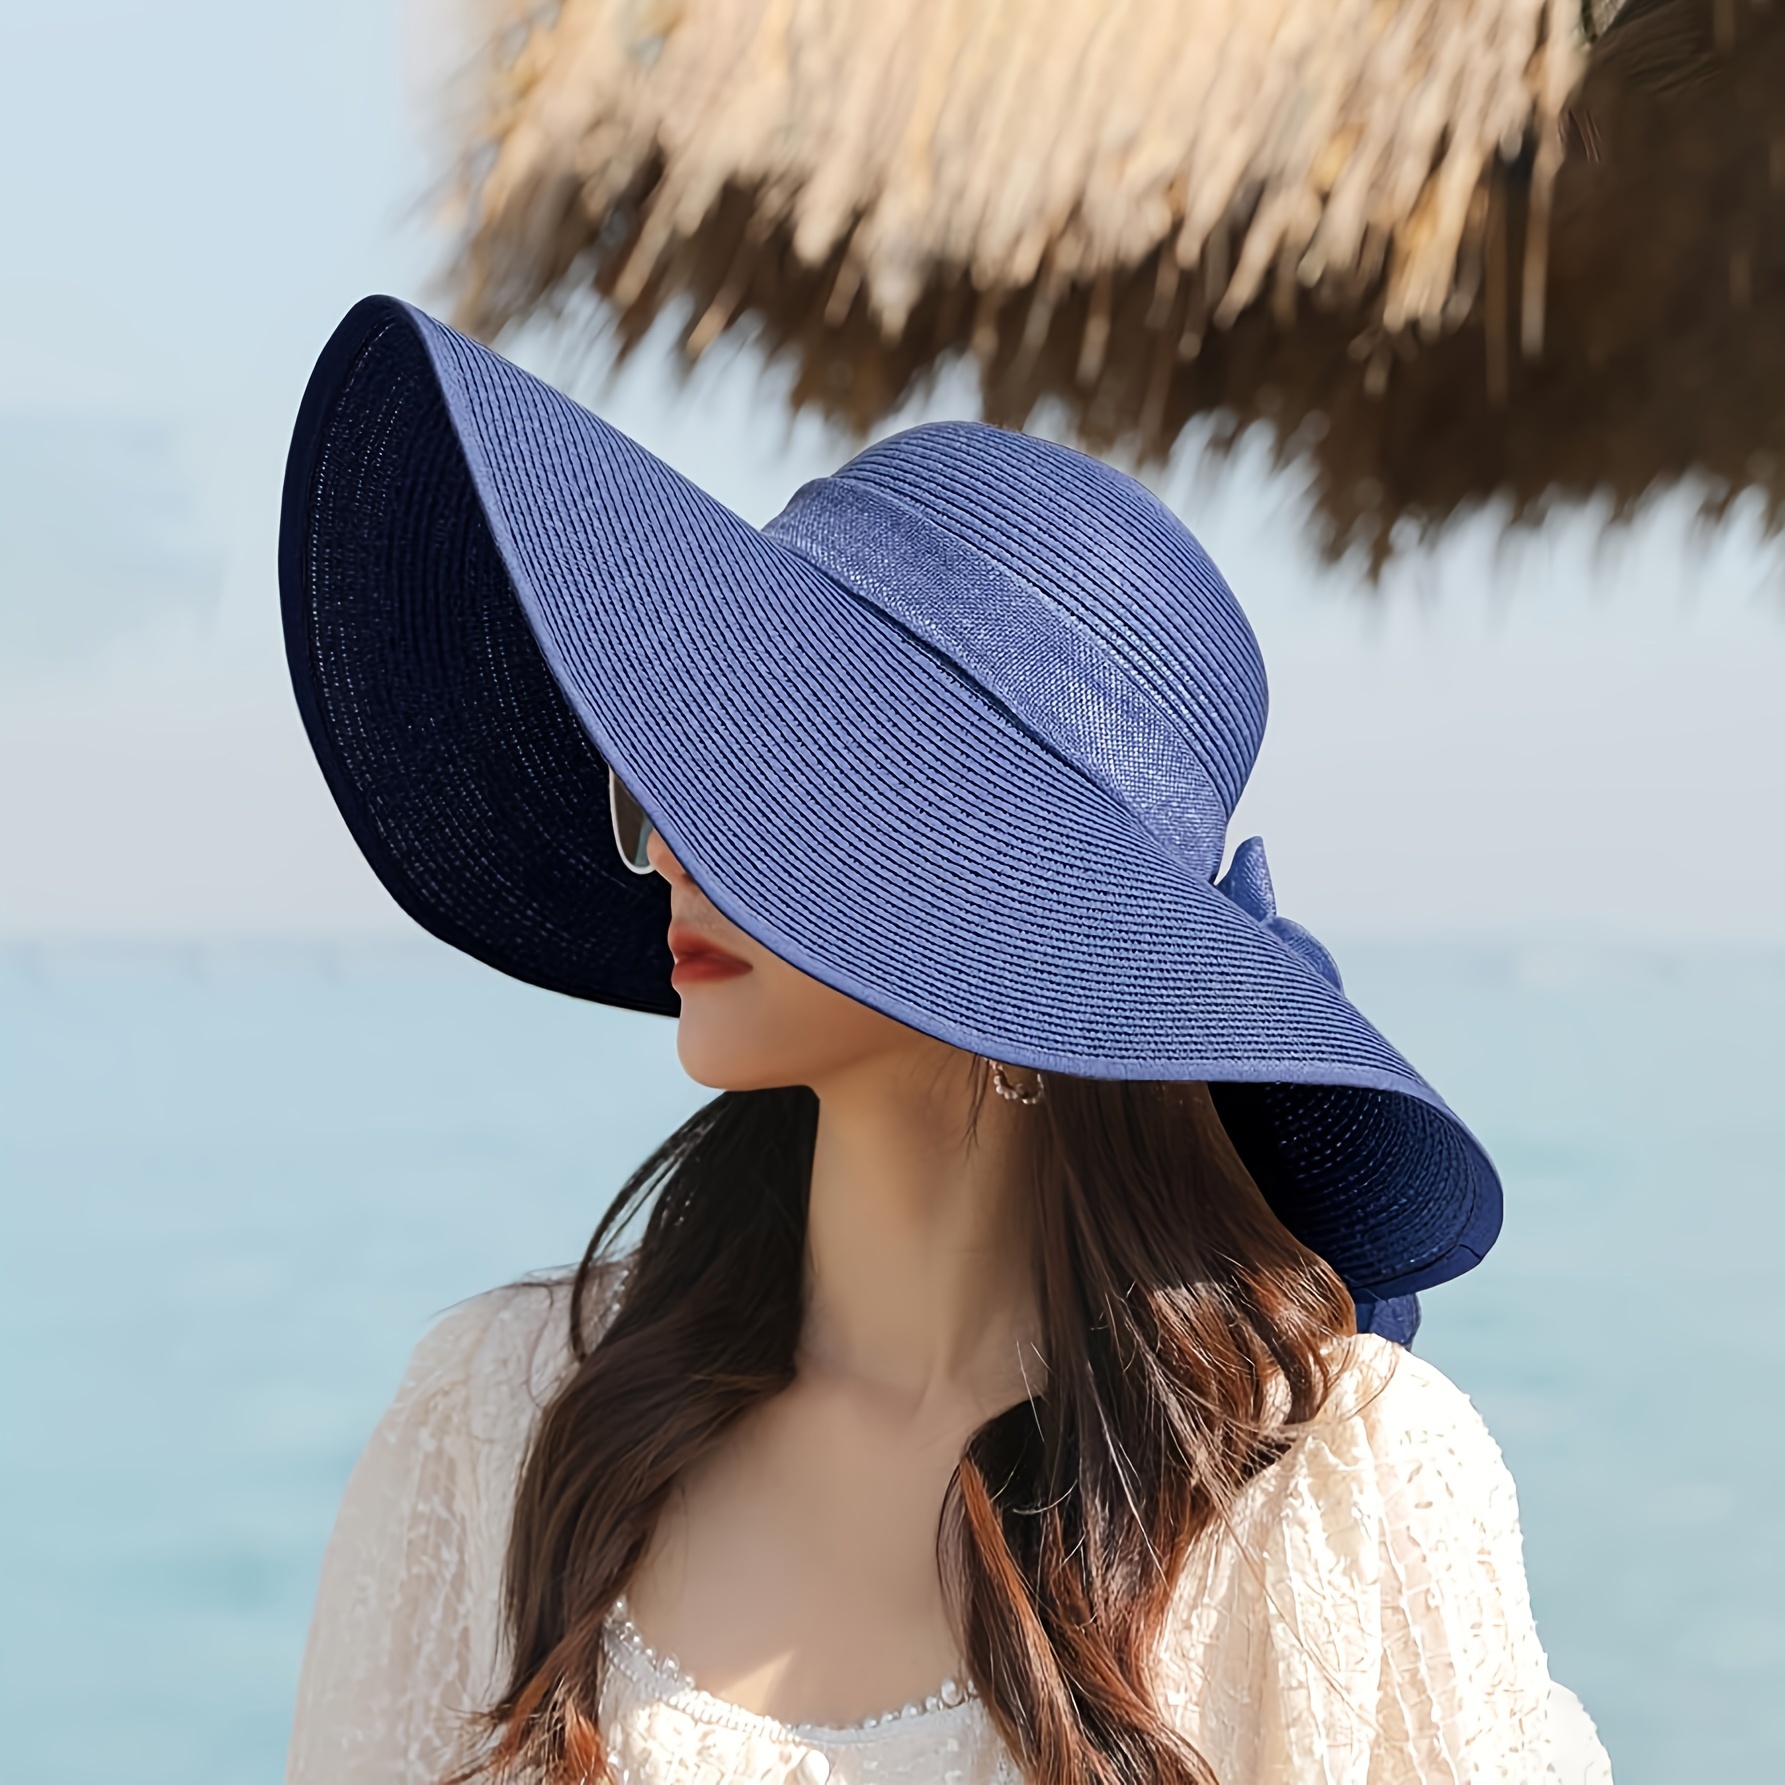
{"x":1003,"y":1383}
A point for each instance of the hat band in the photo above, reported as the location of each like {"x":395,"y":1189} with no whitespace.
{"x":1058,"y":680}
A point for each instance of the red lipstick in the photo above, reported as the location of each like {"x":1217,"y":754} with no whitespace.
{"x":699,"y":961}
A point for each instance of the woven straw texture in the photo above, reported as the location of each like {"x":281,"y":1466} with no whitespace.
{"x":1006,"y":709}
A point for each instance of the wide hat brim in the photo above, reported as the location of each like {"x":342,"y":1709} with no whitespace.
{"x":491,"y":596}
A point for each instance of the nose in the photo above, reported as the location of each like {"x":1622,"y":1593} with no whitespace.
{"x":664,"y":861}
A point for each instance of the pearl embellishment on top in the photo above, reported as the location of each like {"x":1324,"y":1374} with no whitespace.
{"x":813,"y":1768}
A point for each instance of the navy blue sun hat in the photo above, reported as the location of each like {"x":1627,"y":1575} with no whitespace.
{"x":958,"y":733}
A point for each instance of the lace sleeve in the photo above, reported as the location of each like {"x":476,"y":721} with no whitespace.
{"x":1465,"y":1692}
{"x":404,"y":1643}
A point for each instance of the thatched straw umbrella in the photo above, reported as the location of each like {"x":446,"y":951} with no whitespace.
{"x":1444,"y":248}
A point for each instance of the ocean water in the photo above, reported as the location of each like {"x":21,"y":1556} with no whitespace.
{"x":236,"y":1183}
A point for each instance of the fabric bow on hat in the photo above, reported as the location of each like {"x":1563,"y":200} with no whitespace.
{"x":1247,"y":883}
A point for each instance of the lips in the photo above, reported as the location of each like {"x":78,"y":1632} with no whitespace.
{"x":699,"y":961}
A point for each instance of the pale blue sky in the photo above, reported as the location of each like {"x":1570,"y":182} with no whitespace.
{"x":1551,"y":735}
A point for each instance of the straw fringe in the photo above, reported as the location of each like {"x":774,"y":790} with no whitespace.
{"x":1503,"y":280}
{"x":1002,"y":142}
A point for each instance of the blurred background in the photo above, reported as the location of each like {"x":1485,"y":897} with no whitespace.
{"x":256,"y":1129}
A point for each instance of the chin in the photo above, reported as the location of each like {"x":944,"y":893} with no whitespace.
{"x":774,"y":1027}
{"x":726,"y":1061}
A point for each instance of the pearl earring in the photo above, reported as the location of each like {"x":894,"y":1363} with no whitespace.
{"x":1027,"y":1095}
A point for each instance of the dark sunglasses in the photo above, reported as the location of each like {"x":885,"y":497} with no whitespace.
{"x":632,"y":829}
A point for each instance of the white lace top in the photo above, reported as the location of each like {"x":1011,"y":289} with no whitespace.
{"x":1363,"y":1620}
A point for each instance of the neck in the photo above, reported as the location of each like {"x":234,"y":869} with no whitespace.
{"x":919,"y":1239}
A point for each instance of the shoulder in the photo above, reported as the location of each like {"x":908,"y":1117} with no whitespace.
{"x":516,"y":1335}
{"x":1369,"y":1585}
{"x":488,"y":1365}
{"x":452,"y":1442}
{"x":1394,"y":1490}
{"x":1401,"y":1449}
{"x":1402,"y":1401}
{"x":1425,"y":1442}
{"x":1397,"y":1460}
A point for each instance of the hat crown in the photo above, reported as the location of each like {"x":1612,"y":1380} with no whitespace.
{"x":1072,"y":594}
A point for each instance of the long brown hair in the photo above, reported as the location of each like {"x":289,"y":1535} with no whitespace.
{"x":1185,"y":1332}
